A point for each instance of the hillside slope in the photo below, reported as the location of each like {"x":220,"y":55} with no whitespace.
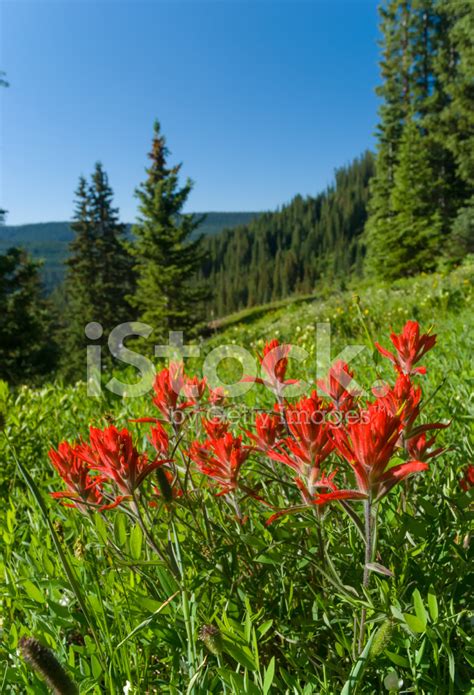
{"x":364,"y":311}
{"x":309,"y":242}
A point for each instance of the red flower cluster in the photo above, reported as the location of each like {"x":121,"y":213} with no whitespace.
{"x":82,"y":488}
{"x":317,"y":439}
{"x":221,"y":459}
{"x":109,"y":457}
{"x":409,"y":348}
{"x":274,"y":362}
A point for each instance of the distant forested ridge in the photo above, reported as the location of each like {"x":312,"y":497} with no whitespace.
{"x":290,"y":251}
{"x":49,"y":241}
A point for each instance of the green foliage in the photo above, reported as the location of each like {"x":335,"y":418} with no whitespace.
{"x":411,"y":241}
{"x":27,"y":348}
{"x":423,"y":156}
{"x":282,"y":626}
{"x":166,"y":257}
{"x":99,"y":272}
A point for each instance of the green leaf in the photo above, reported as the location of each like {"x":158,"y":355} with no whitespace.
{"x":239,"y":685}
{"x":33,"y":592}
{"x":355,"y":676}
{"x":263,"y":629}
{"x":96,"y":668}
{"x":242,"y":655}
{"x":420,"y":608}
{"x":269,"y":674}
{"x":136,"y":541}
{"x":120,"y":529}
{"x":433,"y":604}
{"x":414,"y":623}
{"x":397,"y":659}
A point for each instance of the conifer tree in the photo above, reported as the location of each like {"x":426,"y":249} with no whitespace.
{"x":99,"y":274}
{"x":395,"y":91}
{"x":114,"y":274}
{"x":27,"y":348}
{"x":167,"y":254}
{"x":454,"y":71}
{"x":412,"y":241}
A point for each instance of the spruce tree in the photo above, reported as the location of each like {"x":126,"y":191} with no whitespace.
{"x":98,"y":276}
{"x":395,"y":92}
{"x":412,"y":242}
{"x":114,"y":274}
{"x":27,"y":348}
{"x":454,"y":72}
{"x":167,"y":254}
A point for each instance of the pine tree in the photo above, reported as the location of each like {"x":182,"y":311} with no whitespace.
{"x":440,"y":104}
{"x":114,"y":274}
{"x":455,"y":67}
{"x":395,"y":91}
{"x":99,"y":275}
{"x":412,"y":243}
{"x":27,"y":348}
{"x":167,"y":258}
{"x":454,"y":71}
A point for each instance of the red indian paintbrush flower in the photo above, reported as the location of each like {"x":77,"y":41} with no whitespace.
{"x":194,"y":388}
{"x":269,"y":430}
{"x":310,"y":442}
{"x":221,"y":459}
{"x":467,"y":481}
{"x":368,"y":446}
{"x":336,"y":386}
{"x":410,"y":347}
{"x":159,"y":439}
{"x":112,"y":454}
{"x":82,"y":488}
{"x":216,"y":427}
{"x":404,"y":401}
{"x":274,"y":361}
{"x":168,"y":385}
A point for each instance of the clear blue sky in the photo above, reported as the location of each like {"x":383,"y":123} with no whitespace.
{"x":260,"y":100}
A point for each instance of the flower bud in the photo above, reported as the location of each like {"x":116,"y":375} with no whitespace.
{"x":44,"y":662}
{"x":164,"y":484}
{"x":382,"y":638}
{"x":211,"y":636}
{"x":79,"y":549}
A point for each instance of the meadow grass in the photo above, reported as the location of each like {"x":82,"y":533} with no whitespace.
{"x":114,"y":613}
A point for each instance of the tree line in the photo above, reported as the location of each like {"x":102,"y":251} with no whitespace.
{"x":406,"y":210}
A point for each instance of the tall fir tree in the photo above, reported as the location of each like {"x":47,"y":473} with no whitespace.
{"x":425,"y":61}
{"x":27,"y":348}
{"x":99,"y":273}
{"x":395,"y":61}
{"x":115,"y":277}
{"x":167,"y":254}
{"x":412,"y":242}
{"x":455,"y":68}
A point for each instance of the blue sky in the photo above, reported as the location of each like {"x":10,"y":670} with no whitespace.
{"x":260,"y":100}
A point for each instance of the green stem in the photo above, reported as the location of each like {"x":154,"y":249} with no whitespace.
{"x":368,"y":560}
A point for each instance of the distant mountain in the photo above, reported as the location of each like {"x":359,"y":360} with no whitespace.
{"x":49,"y":241}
